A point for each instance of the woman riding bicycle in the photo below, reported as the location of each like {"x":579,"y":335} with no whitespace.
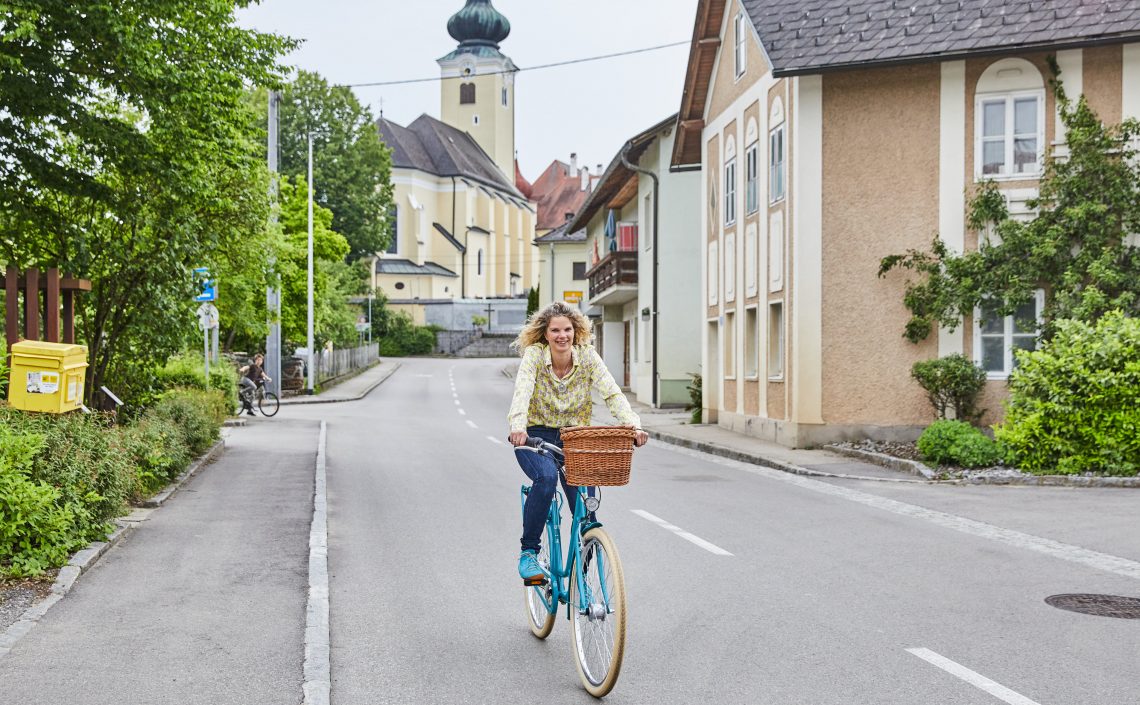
{"x":559,"y":369}
{"x":253,"y":375}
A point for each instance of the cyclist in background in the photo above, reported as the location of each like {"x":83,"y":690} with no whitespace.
{"x":558,"y":371}
{"x":253,"y":375}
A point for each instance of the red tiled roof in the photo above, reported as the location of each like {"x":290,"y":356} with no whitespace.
{"x":557,"y":193}
{"x":521,"y":183}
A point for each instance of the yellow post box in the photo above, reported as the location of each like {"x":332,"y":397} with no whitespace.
{"x":47,"y":376}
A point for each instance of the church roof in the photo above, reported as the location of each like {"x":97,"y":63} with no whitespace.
{"x":479,"y":28}
{"x":434,"y":147}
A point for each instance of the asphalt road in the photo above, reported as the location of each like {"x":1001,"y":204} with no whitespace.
{"x":761,"y":588}
{"x":825,"y":599}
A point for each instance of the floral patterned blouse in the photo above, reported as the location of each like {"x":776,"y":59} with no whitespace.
{"x":541,"y":399}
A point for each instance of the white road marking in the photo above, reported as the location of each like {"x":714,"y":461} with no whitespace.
{"x":977,"y":680}
{"x":471,"y":423}
{"x":457,"y":402}
{"x":710,"y":547}
{"x":1017,"y":539}
{"x":317,"y":670}
{"x":495,"y":440}
{"x":428,"y":376}
{"x":461,"y":412}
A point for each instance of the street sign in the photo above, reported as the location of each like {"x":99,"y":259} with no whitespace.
{"x":207,"y":317}
{"x":572,"y":297}
{"x":208,"y":290}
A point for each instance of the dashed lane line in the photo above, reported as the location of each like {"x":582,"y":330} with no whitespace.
{"x":495,"y":440}
{"x":461,"y":412}
{"x":471,"y":423}
{"x":975,"y":679}
{"x":710,"y":547}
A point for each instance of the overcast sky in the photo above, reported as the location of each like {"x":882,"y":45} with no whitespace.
{"x":589,"y":108}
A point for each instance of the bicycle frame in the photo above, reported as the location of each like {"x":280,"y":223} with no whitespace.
{"x":559,"y":568}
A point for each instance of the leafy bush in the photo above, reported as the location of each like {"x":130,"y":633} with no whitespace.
{"x":949,"y":442}
{"x":951,"y":383}
{"x":198,"y":415}
{"x":1074,"y":404}
{"x":160,"y":453}
{"x":403,"y":337}
{"x":4,"y":371}
{"x":696,"y":394}
{"x":37,"y":530}
{"x":188,"y":371}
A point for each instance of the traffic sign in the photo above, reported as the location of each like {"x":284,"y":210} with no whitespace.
{"x":207,"y":317}
{"x":208,"y":287}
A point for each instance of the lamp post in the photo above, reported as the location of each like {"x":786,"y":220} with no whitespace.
{"x":312,"y":353}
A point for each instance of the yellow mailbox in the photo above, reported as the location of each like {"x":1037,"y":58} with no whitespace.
{"x":47,"y":376}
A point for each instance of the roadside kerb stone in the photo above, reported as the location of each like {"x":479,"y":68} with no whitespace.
{"x":317,"y":686}
{"x":1010,"y":477}
{"x":211,"y":455}
{"x":901,"y":464}
{"x":741,"y":456}
{"x":321,"y":399}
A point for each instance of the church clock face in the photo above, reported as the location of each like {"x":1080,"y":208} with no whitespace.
{"x":467,"y":67}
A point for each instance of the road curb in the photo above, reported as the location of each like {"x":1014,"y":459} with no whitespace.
{"x":317,"y":667}
{"x":888,"y":461}
{"x":316,"y":399}
{"x":84,"y":558}
{"x":210,"y":456}
{"x":741,"y":456}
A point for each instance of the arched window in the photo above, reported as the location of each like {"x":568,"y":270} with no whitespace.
{"x":1009,"y":120}
{"x":777,"y":147}
{"x":467,"y":94}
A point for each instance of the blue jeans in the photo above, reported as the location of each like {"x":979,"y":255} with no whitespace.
{"x":543,"y":473}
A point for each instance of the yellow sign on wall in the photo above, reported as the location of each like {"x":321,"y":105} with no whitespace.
{"x":572,"y":297}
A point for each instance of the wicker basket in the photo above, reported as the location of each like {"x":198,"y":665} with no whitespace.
{"x":598,"y":455}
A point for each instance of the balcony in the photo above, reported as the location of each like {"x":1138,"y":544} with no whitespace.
{"x":613,"y":280}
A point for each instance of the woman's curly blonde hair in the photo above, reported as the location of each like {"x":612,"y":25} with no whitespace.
{"x":535,"y":329}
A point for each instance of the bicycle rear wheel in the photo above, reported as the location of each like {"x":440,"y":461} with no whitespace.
{"x":540,"y":603}
{"x":598,"y":630}
{"x":268,"y":404}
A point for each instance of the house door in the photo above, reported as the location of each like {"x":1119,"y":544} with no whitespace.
{"x":625,"y":357}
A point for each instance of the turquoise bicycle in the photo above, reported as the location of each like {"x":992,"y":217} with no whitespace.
{"x":595,"y":596}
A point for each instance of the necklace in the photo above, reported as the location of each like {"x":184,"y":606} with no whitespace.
{"x":560,"y":373}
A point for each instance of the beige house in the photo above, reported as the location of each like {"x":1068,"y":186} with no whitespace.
{"x":559,"y":192}
{"x":460,"y":227}
{"x":641,"y":224}
{"x":827,"y":139}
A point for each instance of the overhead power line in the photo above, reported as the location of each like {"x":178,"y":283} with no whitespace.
{"x":528,"y":68}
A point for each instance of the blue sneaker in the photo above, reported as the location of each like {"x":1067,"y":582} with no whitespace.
{"x":529,"y":569}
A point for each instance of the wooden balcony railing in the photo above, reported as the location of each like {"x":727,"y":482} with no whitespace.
{"x":615,"y":269}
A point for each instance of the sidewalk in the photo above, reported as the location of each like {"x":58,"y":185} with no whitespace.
{"x":350,"y":389}
{"x":672,"y":426}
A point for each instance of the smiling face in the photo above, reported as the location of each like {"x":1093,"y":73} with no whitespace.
{"x":560,"y":334}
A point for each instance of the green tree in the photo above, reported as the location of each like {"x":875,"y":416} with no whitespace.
{"x":351,"y":166}
{"x":130,"y":159}
{"x":1080,"y":248}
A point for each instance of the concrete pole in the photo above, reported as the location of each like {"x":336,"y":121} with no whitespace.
{"x":312,"y":353}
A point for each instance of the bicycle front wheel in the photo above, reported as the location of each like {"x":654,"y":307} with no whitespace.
{"x":268,"y":404}
{"x":540,"y":603}
{"x":597,"y":600}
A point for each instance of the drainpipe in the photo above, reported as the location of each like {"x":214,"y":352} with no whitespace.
{"x":653,"y":316}
{"x":462,"y":255}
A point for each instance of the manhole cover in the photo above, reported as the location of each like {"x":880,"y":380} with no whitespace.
{"x":1099,"y":605}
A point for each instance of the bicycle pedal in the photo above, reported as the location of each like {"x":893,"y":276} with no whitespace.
{"x":535,"y":581}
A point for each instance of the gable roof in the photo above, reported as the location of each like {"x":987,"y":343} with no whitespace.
{"x":434,"y":147}
{"x":811,"y":35}
{"x":815,"y":36}
{"x":558,"y":193}
{"x":562,"y":234}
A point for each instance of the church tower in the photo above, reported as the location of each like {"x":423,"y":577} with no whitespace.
{"x":478,"y":86}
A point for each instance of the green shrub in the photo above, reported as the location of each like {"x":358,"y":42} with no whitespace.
{"x":188,"y":371}
{"x":696,"y":396}
{"x":951,"y":383}
{"x":199,"y":415}
{"x":403,"y":337}
{"x":1074,"y":404}
{"x":949,"y":442}
{"x":37,"y":530}
{"x":160,"y":453}
{"x":4,"y":371}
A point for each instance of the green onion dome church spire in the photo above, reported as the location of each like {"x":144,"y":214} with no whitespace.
{"x":478,"y":24}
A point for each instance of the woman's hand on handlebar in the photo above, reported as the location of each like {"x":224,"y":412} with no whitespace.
{"x":517,"y":438}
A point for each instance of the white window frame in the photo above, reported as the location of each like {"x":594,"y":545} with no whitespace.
{"x":730,"y":190}
{"x":1008,"y":336}
{"x":776,"y":328}
{"x":777,"y":170}
{"x":752,"y":342}
{"x":752,"y":178}
{"x":1010,"y":99}
{"x":740,"y":56}
{"x":728,"y":358}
